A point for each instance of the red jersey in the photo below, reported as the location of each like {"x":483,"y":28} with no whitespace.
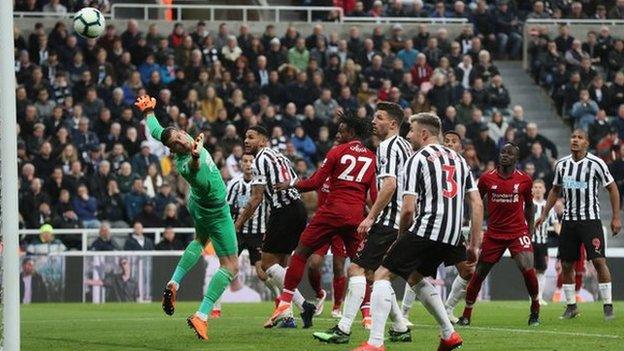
{"x":322,"y":193}
{"x":351,"y":171}
{"x":506,"y":198}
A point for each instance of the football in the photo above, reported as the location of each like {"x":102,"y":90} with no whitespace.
{"x":89,"y":22}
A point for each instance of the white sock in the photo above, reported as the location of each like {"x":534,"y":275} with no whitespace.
{"x":381,"y":304}
{"x":569,"y":293}
{"x":458,"y":293}
{"x":270,"y":284}
{"x":277,"y":273}
{"x":177,"y":286}
{"x":541,"y":281}
{"x":398,"y":322}
{"x":408,"y":299}
{"x":355,"y":295}
{"x":202,"y":316}
{"x":429,"y":297}
{"x":605,"y":292}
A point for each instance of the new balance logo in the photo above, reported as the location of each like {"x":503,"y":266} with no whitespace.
{"x":494,"y":187}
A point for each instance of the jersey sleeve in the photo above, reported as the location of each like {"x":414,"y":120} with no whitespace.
{"x":410,"y":175}
{"x":528,"y":191}
{"x":558,"y":178}
{"x":232,"y":192}
{"x":318,"y":178}
{"x":604,"y":173}
{"x":259,"y":172}
{"x":481,"y":184}
{"x":388,"y":162}
{"x":154,"y":126}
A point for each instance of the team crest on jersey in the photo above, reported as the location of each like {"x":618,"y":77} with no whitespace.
{"x":494,"y":187}
{"x":516,"y":188}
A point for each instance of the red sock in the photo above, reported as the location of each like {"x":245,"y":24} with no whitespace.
{"x":472,"y":291}
{"x":339,"y":290}
{"x":578,"y":281}
{"x":294,"y":274}
{"x":530,"y":280}
{"x":314,"y":277}
{"x":365,"y":307}
{"x":559,"y":281}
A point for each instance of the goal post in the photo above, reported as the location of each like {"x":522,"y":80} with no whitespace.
{"x":8,"y":184}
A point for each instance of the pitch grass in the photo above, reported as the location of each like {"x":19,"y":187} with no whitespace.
{"x":496,"y":326}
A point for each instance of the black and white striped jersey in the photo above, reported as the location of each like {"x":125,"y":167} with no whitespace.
{"x":579,"y":181}
{"x":238,"y":195}
{"x":270,"y":168}
{"x":540,"y":236}
{"x":392,"y":154}
{"x":440,"y":179}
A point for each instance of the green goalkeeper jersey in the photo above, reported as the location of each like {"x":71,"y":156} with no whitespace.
{"x":207,"y":186}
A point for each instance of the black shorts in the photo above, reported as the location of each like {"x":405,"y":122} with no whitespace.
{"x":375,"y":245}
{"x":284,"y":228}
{"x":575,"y":233}
{"x":540,"y":256}
{"x":253,"y":244}
{"x":412,"y":253}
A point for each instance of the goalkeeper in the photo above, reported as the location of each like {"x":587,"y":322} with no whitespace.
{"x":209,"y":209}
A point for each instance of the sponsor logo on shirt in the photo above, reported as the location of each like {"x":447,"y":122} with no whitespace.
{"x":571,"y":183}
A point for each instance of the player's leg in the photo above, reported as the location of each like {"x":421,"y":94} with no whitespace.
{"x":315,"y":265}
{"x":458,"y":289}
{"x":569,"y":244}
{"x":381,"y":305}
{"x":409,"y":296}
{"x":579,"y":272}
{"x":540,"y":261}
{"x":593,"y":241}
{"x":524,"y":261}
{"x":339,"y":257}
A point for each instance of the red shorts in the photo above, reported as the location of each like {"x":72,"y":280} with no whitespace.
{"x":323,"y":232}
{"x":493,"y":248}
{"x":337,"y":248}
{"x":579,"y":265}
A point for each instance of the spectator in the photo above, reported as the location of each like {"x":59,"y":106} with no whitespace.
{"x":86,"y":207}
{"x":29,"y":202}
{"x":538,"y":11}
{"x":298,"y":56}
{"x":104,"y":241}
{"x":112,"y":206}
{"x":598,"y":129}
{"x":232,"y":161}
{"x":440,"y":94}
{"x":325,"y":106}
{"x":408,"y":54}
{"x":142,"y":160}
{"x":169,"y":241}
{"x":497,"y":126}
{"x":304,"y":145}
{"x":43,"y":162}
{"x":375,"y":73}
{"x":136,"y":241}
{"x":575,"y":54}
{"x":153,"y":180}
{"x":507,"y":27}
{"x":464,"y":108}
{"x":32,"y":286}
{"x":532,"y":136}
{"x":617,"y":12}
{"x":45,"y":243}
{"x":584,"y":111}
{"x":171,"y":218}
{"x":619,"y":122}
{"x":542,"y":165}
{"x":497,"y":95}
{"x":164,"y":198}
{"x":135,"y":199}
{"x":64,"y":215}
{"x":484,"y":145}
{"x":148,"y":216}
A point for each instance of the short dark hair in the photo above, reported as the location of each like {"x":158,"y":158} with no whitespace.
{"x":539,"y":181}
{"x":260,"y":130}
{"x":454,"y":133}
{"x":395,"y":111}
{"x":165,"y":135}
{"x":361,"y":127}
{"x":429,"y":120}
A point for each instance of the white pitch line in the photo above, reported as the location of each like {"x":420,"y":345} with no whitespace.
{"x":491,"y":329}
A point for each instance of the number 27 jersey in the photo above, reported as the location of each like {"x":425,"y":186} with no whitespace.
{"x":350,"y":169}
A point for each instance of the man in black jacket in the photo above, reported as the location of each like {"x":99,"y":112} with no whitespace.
{"x":137,"y":241}
{"x":532,"y":136}
{"x":32,"y":286}
{"x":169,"y":241}
{"x":104,"y":242}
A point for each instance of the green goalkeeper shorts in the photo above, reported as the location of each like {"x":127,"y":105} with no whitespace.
{"x":215,"y":224}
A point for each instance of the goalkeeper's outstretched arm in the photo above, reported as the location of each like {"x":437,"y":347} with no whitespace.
{"x":147,"y":105}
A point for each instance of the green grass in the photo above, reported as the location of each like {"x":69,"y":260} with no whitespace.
{"x":496,"y":326}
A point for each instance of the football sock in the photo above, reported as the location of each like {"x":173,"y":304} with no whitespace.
{"x":458,"y":292}
{"x":559,"y":281}
{"x":429,"y":297}
{"x":339,"y":290}
{"x":189,"y":258}
{"x":293,"y":276}
{"x":472,"y":291}
{"x":569,"y":293}
{"x":278,"y":273}
{"x":541,"y":280}
{"x":408,"y":299}
{"x":353,"y":300}
{"x":314,"y":277}
{"x":270,"y":284}
{"x":381,"y":304}
{"x":605,"y":292}
{"x":220,"y":280}
{"x":398,"y":322}
{"x":530,"y":280}
{"x":365,"y":307}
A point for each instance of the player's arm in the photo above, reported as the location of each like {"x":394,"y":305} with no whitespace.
{"x":614,"y":196}
{"x":257,"y":192}
{"x":318,"y":178}
{"x":196,"y":152}
{"x":147,"y":105}
{"x":407,"y":213}
{"x":553,"y":195}
{"x":529,"y":209}
{"x":384,"y":196}
{"x":476,"y":225}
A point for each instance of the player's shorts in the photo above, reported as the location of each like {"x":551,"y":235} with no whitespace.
{"x":337,"y":246}
{"x":540,"y":256}
{"x":577,"y":233}
{"x":493,"y":248}
{"x":375,"y":246}
{"x":324,"y":231}
{"x":216,"y":225}
{"x":412,"y":253}
{"x":253,"y":244}
{"x":284,"y":228}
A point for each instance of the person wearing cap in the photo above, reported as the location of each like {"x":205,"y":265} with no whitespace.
{"x":45,"y":243}
{"x":207,"y":205}
{"x":484,"y":145}
{"x":142,"y":160}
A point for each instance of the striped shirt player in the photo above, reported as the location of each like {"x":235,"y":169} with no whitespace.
{"x":540,"y":237}
{"x":271,"y":167}
{"x":577,"y":178}
{"x":391,"y":156}
{"x":251,"y":235}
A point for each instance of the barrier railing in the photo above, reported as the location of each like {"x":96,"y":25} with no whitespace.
{"x":38,"y":14}
{"x":246,"y":10}
{"x":386,"y":20}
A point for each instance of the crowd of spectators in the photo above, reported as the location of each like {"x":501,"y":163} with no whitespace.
{"x":60,"y":6}
{"x":585,"y":78}
{"x":84,"y":156}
